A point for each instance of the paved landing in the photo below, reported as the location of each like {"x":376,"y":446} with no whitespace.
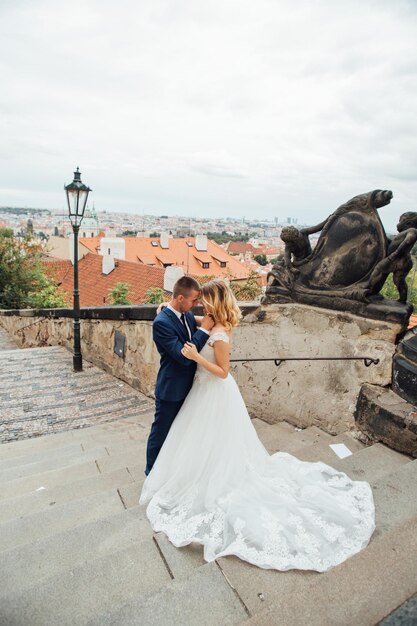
{"x":40,"y":394}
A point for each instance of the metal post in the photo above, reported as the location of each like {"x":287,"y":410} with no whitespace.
{"x":77,"y":358}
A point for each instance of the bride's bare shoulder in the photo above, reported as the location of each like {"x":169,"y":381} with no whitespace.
{"x":218,"y":328}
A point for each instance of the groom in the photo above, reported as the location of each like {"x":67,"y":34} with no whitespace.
{"x":172,"y":328}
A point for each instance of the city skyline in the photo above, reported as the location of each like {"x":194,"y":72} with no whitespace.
{"x":214,"y":109}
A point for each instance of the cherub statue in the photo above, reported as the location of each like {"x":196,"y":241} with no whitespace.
{"x":297,"y":243}
{"x":398,"y":259}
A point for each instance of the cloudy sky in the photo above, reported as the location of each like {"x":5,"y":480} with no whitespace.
{"x":265,"y":108}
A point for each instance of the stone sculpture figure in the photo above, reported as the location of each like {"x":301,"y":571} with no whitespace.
{"x":398,"y":259}
{"x":297,"y":243}
{"x":350,"y":262}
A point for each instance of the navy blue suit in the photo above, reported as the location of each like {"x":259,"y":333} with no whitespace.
{"x":175,"y":376}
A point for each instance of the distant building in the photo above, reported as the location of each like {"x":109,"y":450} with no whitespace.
{"x":197,"y":256}
{"x":90,"y":225}
{"x":98,"y":275}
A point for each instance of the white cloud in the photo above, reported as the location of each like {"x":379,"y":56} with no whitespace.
{"x":218,"y":106}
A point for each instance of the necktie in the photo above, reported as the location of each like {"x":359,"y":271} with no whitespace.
{"x":185,"y":325}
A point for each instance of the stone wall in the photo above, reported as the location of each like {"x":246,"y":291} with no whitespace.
{"x":310,"y":392}
{"x":303,"y":392}
{"x":138,"y":367}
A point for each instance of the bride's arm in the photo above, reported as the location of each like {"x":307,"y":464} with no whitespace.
{"x":221,"y":352}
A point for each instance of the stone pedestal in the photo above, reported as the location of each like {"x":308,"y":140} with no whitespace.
{"x":384,"y":416}
{"x":323,"y":393}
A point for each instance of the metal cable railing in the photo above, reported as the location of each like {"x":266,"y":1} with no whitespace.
{"x":367,"y":360}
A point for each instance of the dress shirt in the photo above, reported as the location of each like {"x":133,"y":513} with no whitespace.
{"x":178,"y":314}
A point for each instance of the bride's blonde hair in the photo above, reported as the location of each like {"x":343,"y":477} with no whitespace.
{"x":220,"y":302}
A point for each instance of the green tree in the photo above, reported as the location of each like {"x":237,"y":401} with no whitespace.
{"x":119,"y":294}
{"x":277,"y":259}
{"x":389,"y":290}
{"x":154,"y":295}
{"x":6,"y":232}
{"x":248,"y":290}
{"x":154,"y":235}
{"x":261,"y":259}
{"x":23,"y":282}
{"x":46,"y":294}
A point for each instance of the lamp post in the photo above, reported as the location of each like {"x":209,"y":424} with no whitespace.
{"x":77,"y":194}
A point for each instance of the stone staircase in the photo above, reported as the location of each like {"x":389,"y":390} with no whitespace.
{"x":77,"y":549}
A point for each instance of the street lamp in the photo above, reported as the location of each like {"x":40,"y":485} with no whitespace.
{"x":77,"y":194}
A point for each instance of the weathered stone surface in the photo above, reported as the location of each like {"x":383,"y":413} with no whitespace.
{"x":28,"y":565}
{"x":404,"y":378}
{"x":87,"y":590}
{"x":58,"y":518}
{"x":40,"y":393}
{"x":137,"y":367}
{"x":30,"y":503}
{"x":404,"y":375}
{"x":204,"y":599}
{"x":181,"y":561}
{"x":355,"y":592}
{"x":405,"y":615}
{"x":305,"y":393}
{"x":383,"y":416}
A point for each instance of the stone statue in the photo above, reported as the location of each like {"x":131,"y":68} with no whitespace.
{"x":350,"y":262}
{"x":398,"y":259}
{"x":297,"y":243}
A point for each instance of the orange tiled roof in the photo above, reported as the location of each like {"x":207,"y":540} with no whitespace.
{"x":240,"y":247}
{"x":95,"y":286}
{"x":265,"y":249}
{"x":140,"y":249}
{"x":56,"y":268}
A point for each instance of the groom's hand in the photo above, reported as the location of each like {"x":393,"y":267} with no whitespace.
{"x":207,"y":322}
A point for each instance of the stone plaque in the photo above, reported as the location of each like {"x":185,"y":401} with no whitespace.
{"x":119,"y":343}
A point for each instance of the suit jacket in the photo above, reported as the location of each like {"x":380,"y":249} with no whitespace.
{"x":176,"y":373}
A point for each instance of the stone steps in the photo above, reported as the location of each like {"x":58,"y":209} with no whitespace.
{"x":203,"y":599}
{"x":35,"y":501}
{"x":105,"y":559}
{"x":84,"y":437}
{"x":48,"y":479}
{"x":38,"y":467}
{"x":181,"y":562}
{"x":371,"y":463}
{"x":321,"y":451}
{"x":40,"y":393}
{"x":396,"y":504}
{"x":124,"y":452}
{"x":96,"y":586}
{"x":285,"y":437}
{"x":361,"y":591}
{"x":48,"y":558}
{"x":74,"y":446}
{"x":58,"y":518}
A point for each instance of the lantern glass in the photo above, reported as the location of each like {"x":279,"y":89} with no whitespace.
{"x":77,"y":194}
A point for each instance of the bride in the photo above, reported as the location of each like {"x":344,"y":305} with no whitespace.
{"x":214,"y":483}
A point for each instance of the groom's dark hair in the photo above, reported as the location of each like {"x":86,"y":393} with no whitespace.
{"x":184,"y":286}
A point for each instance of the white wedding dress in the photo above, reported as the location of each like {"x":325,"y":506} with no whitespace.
{"x":215,"y":484}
